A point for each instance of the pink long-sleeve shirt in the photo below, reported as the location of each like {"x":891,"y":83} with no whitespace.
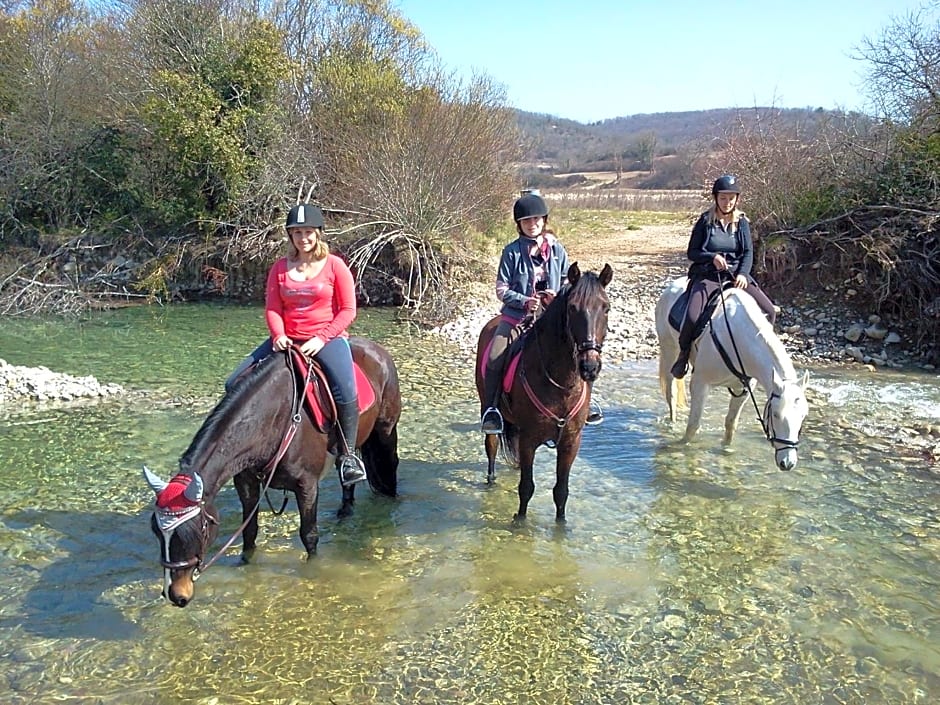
{"x":322,"y":307}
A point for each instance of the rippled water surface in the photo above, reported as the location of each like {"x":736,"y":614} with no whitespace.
{"x":685,"y":574}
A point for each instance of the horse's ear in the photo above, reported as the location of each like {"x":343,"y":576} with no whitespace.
{"x":574,"y":273}
{"x":607,"y":273}
{"x":156,"y":484}
{"x":193,"y":491}
{"x":805,"y":380}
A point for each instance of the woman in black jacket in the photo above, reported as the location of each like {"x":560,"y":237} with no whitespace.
{"x":720,"y":248}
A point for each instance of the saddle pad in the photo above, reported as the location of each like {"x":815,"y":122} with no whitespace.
{"x":317,"y":392}
{"x":510,"y":368}
{"x":677,"y":312}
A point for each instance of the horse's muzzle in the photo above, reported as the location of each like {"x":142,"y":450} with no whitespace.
{"x":181,"y":590}
{"x":786,"y":458}
{"x":589,"y":360}
{"x":589,"y":367}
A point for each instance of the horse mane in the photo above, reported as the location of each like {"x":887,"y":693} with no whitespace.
{"x":245,"y":388}
{"x":765,"y":331}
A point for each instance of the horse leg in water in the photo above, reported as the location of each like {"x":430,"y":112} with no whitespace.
{"x":491,"y":443}
{"x":249,"y":493}
{"x":349,"y":499}
{"x":307,"y":498}
{"x":698,"y":391}
{"x":526,"y":483}
{"x":566,"y":452}
{"x":734,"y":413}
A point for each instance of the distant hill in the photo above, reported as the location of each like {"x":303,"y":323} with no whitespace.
{"x":637,"y":142}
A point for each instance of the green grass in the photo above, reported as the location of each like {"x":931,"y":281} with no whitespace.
{"x":576,"y":220}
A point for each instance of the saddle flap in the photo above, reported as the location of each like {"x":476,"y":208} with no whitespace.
{"x":317,"y":395}
{"x":679,"y":308}
{"x":677,"y":312}
{"x":513,"y":355}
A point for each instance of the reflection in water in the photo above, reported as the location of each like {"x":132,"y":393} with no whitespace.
{"x":690,"y":573}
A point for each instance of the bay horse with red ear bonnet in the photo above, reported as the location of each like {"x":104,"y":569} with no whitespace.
{"x":261,"y":434}
{"x":546,"y":393}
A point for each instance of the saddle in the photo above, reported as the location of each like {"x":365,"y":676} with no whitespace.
{"x":677,"y":312}
{"x":317,"y":396}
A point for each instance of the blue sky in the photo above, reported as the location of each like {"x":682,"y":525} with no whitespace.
{"x":590,"y":60}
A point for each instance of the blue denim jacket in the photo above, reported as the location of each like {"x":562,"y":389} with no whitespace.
{"x":517,"y":273}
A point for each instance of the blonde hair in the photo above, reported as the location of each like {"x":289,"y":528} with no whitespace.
{"x":320,"y":251}
{"x":736,"y":215}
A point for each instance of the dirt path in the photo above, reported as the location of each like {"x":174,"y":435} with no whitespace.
{"x":643,"y":258}
{"x":632,"y":253}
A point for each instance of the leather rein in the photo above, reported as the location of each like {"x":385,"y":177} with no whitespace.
{"x":738,"y":371}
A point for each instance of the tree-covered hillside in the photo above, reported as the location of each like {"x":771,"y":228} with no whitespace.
{"x":639,"y":142}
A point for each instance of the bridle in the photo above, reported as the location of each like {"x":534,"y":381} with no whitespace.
{"x":169,"y":521}
{"x":582,"y":348}
{"x":767,"y":423}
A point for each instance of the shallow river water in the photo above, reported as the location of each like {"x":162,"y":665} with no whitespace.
{"x":684,"y":574}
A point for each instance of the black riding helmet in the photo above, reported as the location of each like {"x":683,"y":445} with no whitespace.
{"x":304,"y":215}
{"x":529,"y":206}
{"x":727,"y":183}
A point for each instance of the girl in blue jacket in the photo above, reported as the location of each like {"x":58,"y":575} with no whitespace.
{"x":532,"y":269}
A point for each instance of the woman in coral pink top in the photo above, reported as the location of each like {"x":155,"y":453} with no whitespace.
{"x":310,"y":301}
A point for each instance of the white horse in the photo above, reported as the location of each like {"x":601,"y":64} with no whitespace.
{"x":739,"y":328}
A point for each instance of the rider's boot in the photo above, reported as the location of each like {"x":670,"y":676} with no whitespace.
{"x":348,"y":464}
{"x":491,"y":421}
{"x":681,"y":365}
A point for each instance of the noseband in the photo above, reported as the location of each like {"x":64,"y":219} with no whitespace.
{"x":588,"y":345}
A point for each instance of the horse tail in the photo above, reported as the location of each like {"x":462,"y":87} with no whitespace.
{"x":669,"y":386}
{"x":380,"y":454}
{"x":509,"y":443}
{"x":672,"y":389}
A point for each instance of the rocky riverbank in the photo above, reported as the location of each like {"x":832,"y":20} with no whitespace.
{"x":41,"y":384}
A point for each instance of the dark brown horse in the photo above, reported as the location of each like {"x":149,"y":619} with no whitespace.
{"x":261,"y":434}
{"x":548,"y":401}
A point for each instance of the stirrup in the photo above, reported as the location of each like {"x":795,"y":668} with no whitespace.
{"x":595,"y":414}
{"x":491,"y":422}
{"x":351,"y":469}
